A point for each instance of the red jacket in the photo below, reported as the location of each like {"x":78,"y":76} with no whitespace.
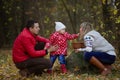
{"x":61,"y":40}
{"x":24,"y":44}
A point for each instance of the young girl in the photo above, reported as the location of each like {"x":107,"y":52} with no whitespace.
{"x":60,"y":38}
{"x":98,"y":50}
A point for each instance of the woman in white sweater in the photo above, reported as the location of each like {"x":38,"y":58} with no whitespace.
{"x":98,"y":50}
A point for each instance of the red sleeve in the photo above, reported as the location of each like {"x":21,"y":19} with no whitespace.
{"x":29,"y":48}
{"x":42,"y":39}
{"x":71,"y":36}
{"x":39,"y":38}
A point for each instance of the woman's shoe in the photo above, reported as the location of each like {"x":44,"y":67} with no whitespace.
{"x":109,"y":67}
{"x":105,"y":72}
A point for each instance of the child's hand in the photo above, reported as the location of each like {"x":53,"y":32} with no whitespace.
{"x":78,"y":34}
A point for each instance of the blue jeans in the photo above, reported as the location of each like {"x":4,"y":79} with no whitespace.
{"x":101,"y":56}
{"x":61,"y":59}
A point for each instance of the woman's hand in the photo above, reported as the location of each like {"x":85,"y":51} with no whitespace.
{"x":76,"y":50}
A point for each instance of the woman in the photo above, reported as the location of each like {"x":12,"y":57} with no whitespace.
{"x":98,"y":51}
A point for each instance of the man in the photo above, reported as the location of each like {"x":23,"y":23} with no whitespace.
{"x":28,"y":53}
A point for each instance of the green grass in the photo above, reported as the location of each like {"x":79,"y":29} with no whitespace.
{"x":8,"y":71}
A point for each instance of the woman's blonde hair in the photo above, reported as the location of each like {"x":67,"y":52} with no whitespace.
{"x":86,"y":27}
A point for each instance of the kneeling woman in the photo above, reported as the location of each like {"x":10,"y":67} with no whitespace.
{"x":98,"y":50}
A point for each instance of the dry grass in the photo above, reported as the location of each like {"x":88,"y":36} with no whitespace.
{"x":9,"y":72}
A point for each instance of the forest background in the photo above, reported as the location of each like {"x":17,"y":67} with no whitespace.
{"x":103,"y":14}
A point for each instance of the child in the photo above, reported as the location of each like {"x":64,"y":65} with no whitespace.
{"x":60,"y":38}
{"x":98,"y":50}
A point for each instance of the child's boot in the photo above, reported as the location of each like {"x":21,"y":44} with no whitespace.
{"x":49,"y":71}
{"x":63,"y":68}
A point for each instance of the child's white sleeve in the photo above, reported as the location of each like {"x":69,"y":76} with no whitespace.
{"x":88,"y":40}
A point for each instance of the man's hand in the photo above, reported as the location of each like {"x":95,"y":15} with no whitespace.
{"x":52,"y":48}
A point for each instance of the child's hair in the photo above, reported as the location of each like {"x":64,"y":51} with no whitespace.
{"x":86,"y":27}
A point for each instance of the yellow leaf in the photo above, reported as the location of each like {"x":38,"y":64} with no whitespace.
{"x":103,"y":1}
{"x":115,"y":12}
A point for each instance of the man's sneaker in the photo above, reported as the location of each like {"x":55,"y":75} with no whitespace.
{"x":24,"y":73}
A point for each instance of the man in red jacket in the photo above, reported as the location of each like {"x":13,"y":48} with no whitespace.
{"x":29,"y":49}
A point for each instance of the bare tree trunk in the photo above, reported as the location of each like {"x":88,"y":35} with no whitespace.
{"x":1,"y":24}
{"x":118,"y":26}
{"x":70,"y":17}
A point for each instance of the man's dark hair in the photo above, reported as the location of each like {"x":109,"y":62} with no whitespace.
{"x":30,"y":23}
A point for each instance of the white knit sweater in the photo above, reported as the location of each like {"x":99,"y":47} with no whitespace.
{"x":95,"y":42}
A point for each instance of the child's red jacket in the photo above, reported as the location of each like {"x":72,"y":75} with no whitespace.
{"x":61,"y":40}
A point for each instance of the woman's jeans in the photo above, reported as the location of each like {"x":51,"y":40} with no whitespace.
{"x":101,"y":56}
